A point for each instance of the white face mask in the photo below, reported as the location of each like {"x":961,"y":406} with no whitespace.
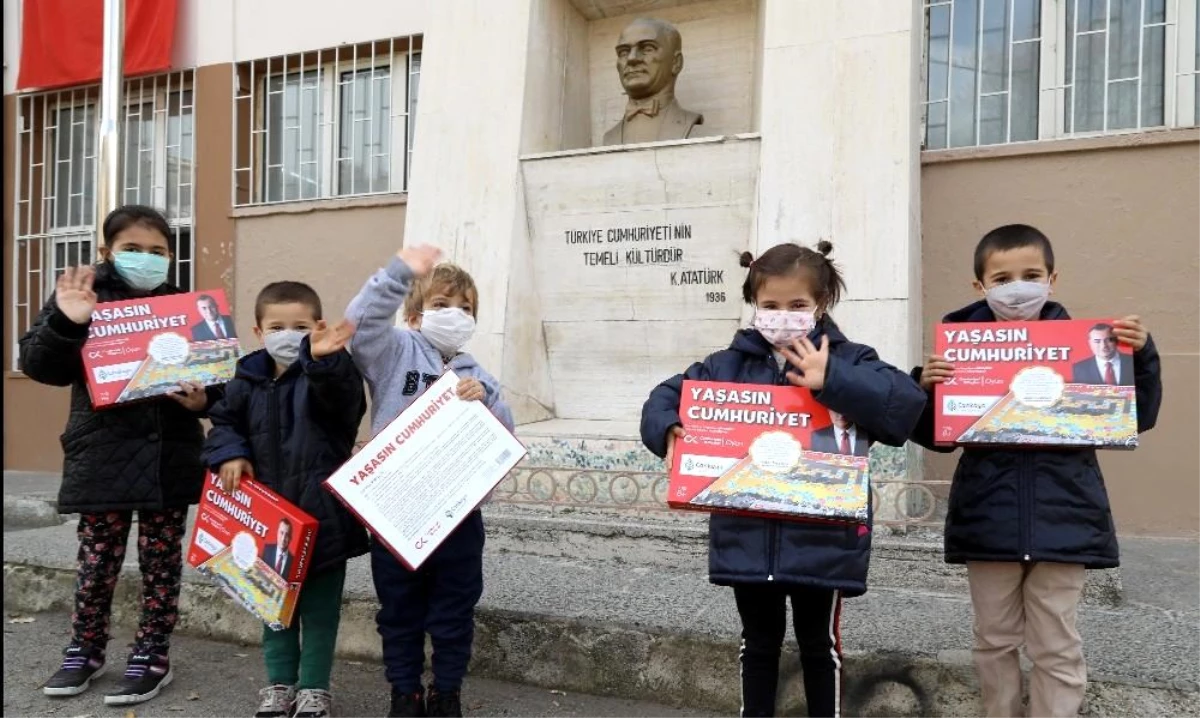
{"x":284,"y":345}
{"x":448,"y":330}
{"x":1018,"y":301}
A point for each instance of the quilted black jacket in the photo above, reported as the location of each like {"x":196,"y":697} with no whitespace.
{"x":141,"y":456}
{"x":296,"y":430}
{"x":1029,"y":505}
{"x":876,"y":396}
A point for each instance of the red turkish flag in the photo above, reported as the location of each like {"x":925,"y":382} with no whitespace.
{"x":62,"y":41}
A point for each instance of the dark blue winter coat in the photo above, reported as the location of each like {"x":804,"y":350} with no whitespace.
{"x":881,"y":400}
{"x":295,"y":431}
{"x":1030,"y":505}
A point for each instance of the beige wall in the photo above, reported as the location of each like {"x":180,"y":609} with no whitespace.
{"x":1122,"y":215}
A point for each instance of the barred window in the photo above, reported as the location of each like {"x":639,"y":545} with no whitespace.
{"x":328,"y":123}
{"x":56,"y":174}
{"x":999,"y":71}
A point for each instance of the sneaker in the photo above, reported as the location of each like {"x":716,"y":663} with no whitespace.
{"x":313,"y":703}
{"x":79,"y":666}
{"x":145,"y":675}
{"x":407,"y":705}
{"x":444,"y":704}
{"x":277,"y":702}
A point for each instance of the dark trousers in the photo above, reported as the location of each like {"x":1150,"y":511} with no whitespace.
{"x":816,"y":614}
{"x":439,"y":599}
{"x":102,"y":539}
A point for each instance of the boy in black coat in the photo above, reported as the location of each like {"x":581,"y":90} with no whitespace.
{"x":1029,"y":522}
{"x":289,"y":419}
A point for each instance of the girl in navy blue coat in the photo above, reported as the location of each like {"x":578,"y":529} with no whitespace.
{"x":794,"y":341}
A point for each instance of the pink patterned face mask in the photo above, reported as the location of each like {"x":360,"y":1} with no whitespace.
{"x":782,"y":327}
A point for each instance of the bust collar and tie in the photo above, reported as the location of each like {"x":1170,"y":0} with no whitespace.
{"x":649,"y":106}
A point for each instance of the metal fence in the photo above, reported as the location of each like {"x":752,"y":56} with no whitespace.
{"x":56,"y":174}
{"x":326,"y":123}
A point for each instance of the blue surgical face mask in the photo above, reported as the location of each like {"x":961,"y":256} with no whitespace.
{"x":141,"y":270}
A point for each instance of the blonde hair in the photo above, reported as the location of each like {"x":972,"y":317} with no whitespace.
{"x":448,"y":279}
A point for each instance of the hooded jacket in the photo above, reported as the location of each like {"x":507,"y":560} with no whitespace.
{"x":142,"y":456}
{"x":881,"y":400}
{"x":296,"y":430}
{"x":1030,"y":505}
{"x":400,"y":363}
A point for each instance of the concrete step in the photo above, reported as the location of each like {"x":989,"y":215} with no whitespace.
{"x":657,"y":631}
{"x":909,"y":561}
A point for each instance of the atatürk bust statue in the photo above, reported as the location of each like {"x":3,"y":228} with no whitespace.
{"x":649,"y":59}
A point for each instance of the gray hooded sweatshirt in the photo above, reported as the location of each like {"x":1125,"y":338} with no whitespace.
{"x":400,"y":363}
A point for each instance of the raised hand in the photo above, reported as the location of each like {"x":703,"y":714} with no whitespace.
{"x":231,"y":473}
{"x":420,"y":258}
{"x":74,"y":294}
{"x":936,"y":371}
{"x":325,"y":340}
{"x":810,"y":360}
{"x":1130,"y":331}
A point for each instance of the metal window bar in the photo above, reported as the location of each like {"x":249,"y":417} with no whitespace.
{"x":1072,"y":88}
{"x":55,"y":170}
{"x":325,"y":123}
{"x":992,"y":48}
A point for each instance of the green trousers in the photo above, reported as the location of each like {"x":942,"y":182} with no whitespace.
{"x":302,"y":654}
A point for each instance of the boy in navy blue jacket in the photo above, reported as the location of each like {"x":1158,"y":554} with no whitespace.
{"x":1028,"y":523}
{"x":794,"y":341}
{"x":289,"y":419}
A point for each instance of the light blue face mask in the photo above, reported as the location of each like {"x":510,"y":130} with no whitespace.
{"x":141,"y":270}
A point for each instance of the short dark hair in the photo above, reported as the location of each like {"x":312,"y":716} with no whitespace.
{"x":286,"y":293}
{"x":1101,"y":327}
{"x":791,"y":257}
{"x":130,"y":215}
{"x":207,"y":298}
{"x":1010,"y":237}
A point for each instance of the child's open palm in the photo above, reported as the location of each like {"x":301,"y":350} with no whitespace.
{"x":74,"y":294}
{"x":810,"y":360}
{"x":325,"y":340}
{"x":420,"y":258}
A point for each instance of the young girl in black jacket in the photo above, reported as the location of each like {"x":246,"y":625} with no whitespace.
{"x":144,"y":457}
{"x":794,"y":341}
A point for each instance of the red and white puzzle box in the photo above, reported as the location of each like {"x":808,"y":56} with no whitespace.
{"x":143,"y":348}
{"x":767,"y":450}
{"x":255,"y":545}
{"x":1042,"y":383}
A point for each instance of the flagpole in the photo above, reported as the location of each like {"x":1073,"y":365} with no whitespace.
{"x":108,"y":151}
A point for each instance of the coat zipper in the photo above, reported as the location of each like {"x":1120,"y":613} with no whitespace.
{"x":1026,"y":497}
{"x":772,"y":527}
{"x":273,"y":430}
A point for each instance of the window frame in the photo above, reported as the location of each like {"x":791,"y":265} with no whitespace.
{"x":331,"y":88}
{"x":1179,"y":72}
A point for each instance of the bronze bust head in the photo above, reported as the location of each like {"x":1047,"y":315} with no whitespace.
{"x":649,"y":60}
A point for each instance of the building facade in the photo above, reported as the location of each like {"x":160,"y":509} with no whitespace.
{"x":291,"y":141}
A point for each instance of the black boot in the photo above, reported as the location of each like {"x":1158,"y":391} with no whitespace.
{"x":407,"y":705}
{"x":445,"y":704}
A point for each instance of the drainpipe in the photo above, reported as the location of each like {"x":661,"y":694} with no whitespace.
{"x":108,"y":150}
